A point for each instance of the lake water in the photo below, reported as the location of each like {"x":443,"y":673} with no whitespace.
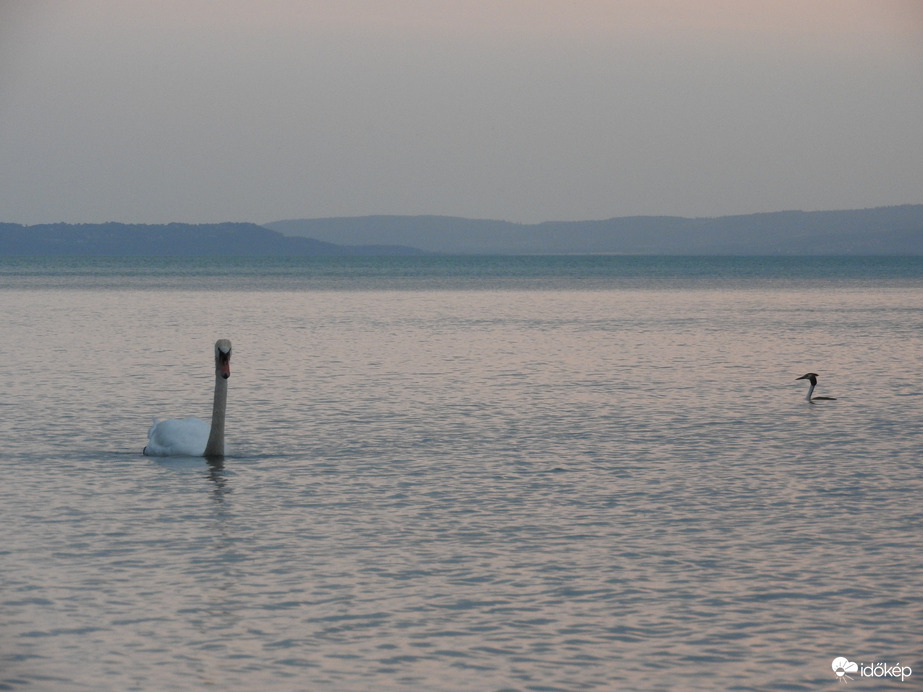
{"x":463,"y":474}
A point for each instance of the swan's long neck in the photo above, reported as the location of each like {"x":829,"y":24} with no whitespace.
{"x":810,"y":392}
{"x":215,"y":445}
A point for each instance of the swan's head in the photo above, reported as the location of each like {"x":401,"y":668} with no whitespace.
{"x":223,"y":358}
{"x":811,"y":376}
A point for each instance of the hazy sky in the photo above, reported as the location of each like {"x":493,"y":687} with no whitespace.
{"x":524,"y":110}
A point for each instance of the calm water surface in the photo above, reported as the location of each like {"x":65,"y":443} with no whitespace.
{"x":462,"y":474}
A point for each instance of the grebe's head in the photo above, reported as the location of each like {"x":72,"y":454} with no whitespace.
{"x":811,"y":376}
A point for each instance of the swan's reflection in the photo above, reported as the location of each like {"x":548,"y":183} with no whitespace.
{"x":217,"y":550}
{"x":221,"y":555}
{"x":217,"y":475}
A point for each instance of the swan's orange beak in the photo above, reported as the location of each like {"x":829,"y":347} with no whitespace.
{"x":224,"y":364}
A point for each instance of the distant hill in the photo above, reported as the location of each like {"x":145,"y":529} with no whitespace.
{"x":175,"y":239}
{"x":881,"y":231}
{"x":894,"y":230}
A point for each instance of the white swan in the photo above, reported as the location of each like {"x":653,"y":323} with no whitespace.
{"x":192,"y":437}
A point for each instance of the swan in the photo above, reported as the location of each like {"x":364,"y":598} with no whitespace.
{"x":193,"y":437}
{"x":812,"y":378}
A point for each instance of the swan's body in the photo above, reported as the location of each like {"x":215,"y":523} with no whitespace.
{"x":812,"y":378}
{"x":177,"y":437}
{"x":193,"y":437}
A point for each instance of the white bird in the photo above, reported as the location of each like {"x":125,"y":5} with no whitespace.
{"x":193,"y":437}
{"x":812,"y":378}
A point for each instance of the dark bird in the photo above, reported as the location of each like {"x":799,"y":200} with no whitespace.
{"x":812,"y":378}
